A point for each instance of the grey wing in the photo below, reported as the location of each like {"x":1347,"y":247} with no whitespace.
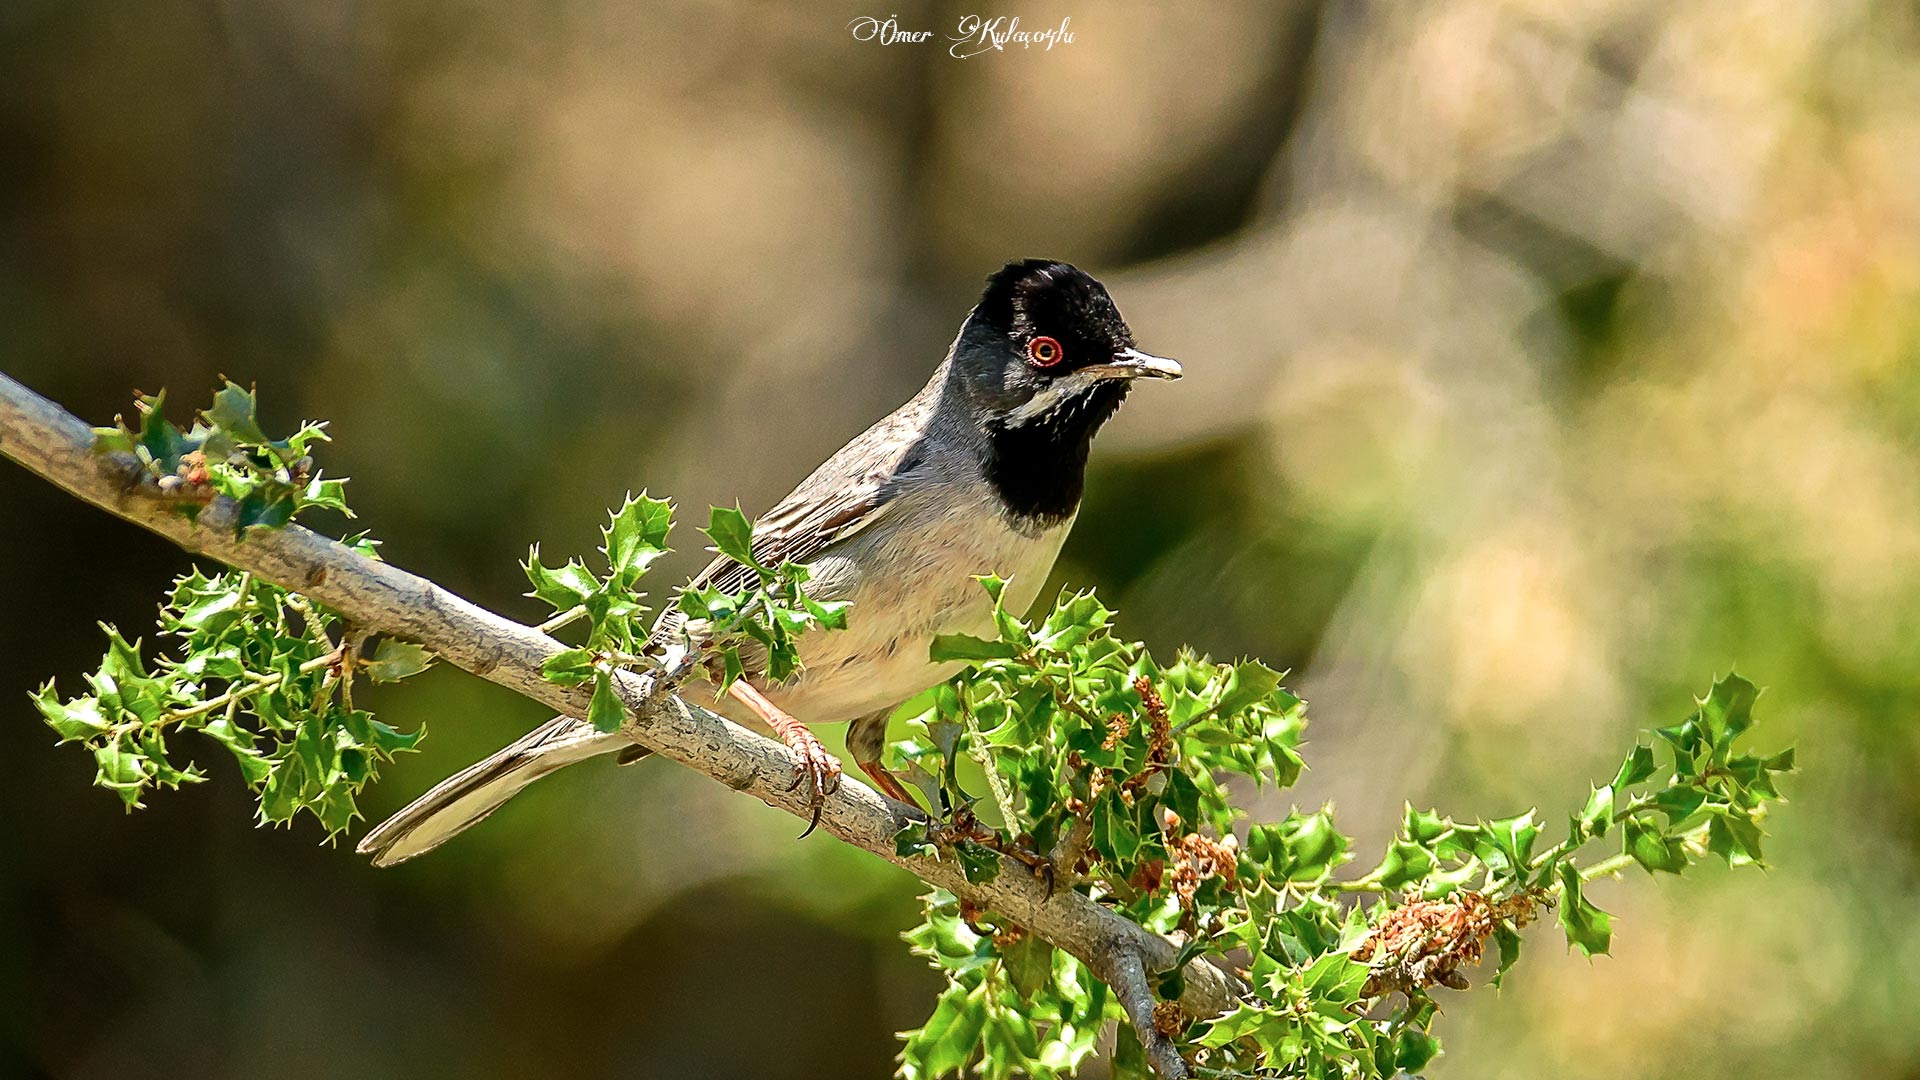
{"x":847,"y":493}
{"x":802,"y":525}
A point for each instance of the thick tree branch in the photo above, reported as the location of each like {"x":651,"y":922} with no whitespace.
{"x":380,"y":597}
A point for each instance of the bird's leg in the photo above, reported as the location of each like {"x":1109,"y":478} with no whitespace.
{"x":812,"y":762}
{"x":866,"y":739}
{"x":889,"y":785}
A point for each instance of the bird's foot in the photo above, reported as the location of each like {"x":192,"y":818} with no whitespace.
{"x":812,"y":765}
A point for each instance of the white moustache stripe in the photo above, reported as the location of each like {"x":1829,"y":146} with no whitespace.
{"x":1057,"y":393}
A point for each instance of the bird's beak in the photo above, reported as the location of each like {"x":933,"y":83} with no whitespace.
{"x":1134,"y":364}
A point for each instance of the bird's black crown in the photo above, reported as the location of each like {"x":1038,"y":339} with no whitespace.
{"x":1043,"y":298}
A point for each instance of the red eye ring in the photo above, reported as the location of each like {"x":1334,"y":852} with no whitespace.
{"x":1045,"y":352}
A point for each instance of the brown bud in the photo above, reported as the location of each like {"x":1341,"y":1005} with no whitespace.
{"x":1166,"y":1018}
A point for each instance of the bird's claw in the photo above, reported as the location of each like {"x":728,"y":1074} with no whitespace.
{"x":812,"y":763}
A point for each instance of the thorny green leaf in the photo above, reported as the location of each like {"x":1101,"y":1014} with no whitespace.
{"x":1653,"y":849}
{"x":732,"y":536}
{"x":1588,"y":928}
{"x":636,"y":534}
{"x":395,"y":660}
{"x":605,"y":712}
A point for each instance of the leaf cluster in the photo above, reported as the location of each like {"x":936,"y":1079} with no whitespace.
{"x":764,"y":618}
{"x":1114,"y":773}
{"x":634,"y":536}
{"x":759,"y":623}
{"x":265,"y":674}
{"x":224,"y":452}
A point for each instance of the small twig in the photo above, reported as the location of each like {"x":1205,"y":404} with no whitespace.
{"x":1128,"y":977}
{"x":1605,"y":867}
{"x":353,"y":641}
{"x":562,"y":619}
{"x":1071,"y":848}
{"x":1368,"y":884}
{"x":1613,"y":864}
{"x":310,"y":622}
{"x":983,"y":756}
{"x":254,"y":684}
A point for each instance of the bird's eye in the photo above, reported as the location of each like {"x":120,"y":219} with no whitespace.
{"x":1045,"y":352}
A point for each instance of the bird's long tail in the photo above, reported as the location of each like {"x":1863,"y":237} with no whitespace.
{"x":468,"y":796}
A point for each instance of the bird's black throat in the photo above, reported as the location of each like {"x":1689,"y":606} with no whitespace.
{"x":1039,"y":468}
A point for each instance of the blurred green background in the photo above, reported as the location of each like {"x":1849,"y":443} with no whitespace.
{"x":1543,"y":360}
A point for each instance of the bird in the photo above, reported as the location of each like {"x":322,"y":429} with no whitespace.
{"x":981,"y":472}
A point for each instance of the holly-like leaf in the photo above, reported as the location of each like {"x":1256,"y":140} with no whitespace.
{"x":732,"y":536}
{"x":327,"y":494}
{"x":263,"y":508}
{"x":1406,"y":862}
{"x":635,"y":536}
{"x":1247,"y":682}
{"x":1734,"y":837}
{"x":394,"y":660}
{"x":1727,"y":710}
{"x":732,"y":670}
{"x":1507,"y":939}
{"x":912,"y":840}
{"x":1008,"y":623}
{"x":569,"y":667}
{"x":1652,"y":849}
{"x":72,"y":720}
{"x":1509,"y":842}
{"x":254,"y":767}
{"x":949,"y":1038}
{"x":980,"y":864}
{"x":1304,"y":846}
{"x":122,"y":769}
{"x":1413,"y":1049}
{"x":966,"y":647}
{"x":1597,"y":815}
{"x":163,"y":442}
{"x":233,"y":414}
{"x":388,"y":741}
{"x":1073,"y":620}
{"x":1679,"y":802}
{"x":830,"y":614}
{"x":1588,"y":928}
{"x":1029,"y":963}
{"x":1636,"y":769}
{"x":605,"y":712}
{"x":1247,"y":1021}
{"x":562,"y":587}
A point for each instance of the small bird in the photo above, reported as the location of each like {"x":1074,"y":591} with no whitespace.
{"x":980,"y":473}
